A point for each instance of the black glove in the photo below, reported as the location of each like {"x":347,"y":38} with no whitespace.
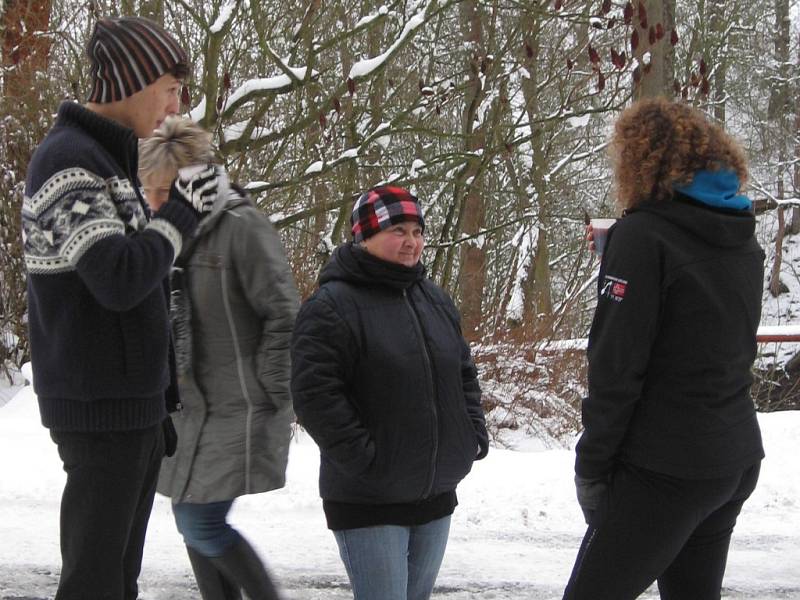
{"x":483,"y":447}
{"x":197,"y":187}
{"x":170,"y":436}
{"x":590,"y":492}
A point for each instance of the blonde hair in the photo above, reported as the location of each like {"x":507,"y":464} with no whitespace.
{"x":178,"y":143}
{"x":658,"y":144}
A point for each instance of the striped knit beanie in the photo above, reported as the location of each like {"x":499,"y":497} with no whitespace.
{"x":127,"y":54}
{"x":382,"y":207}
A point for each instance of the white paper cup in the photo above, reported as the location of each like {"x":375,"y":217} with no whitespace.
{"x":600,"y":232}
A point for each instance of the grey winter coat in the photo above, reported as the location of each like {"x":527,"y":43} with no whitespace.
{"x":234,"y":304}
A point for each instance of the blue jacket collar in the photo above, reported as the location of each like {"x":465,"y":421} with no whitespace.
{"x":716,"y":188}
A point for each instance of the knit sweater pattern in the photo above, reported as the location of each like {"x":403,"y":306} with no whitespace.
{"x":97,"y":267}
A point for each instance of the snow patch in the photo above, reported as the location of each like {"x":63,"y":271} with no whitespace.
{"x":581,"y":121}
{"x":225,"y":15}
{"x":363,"y":68}
{"x":275,"y":83}
{"x":314,"y":167}
{"x":382,"y":11}
{"x":516,"y":509}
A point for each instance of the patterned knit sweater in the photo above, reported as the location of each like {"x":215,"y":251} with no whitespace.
{"x":97,"y":306}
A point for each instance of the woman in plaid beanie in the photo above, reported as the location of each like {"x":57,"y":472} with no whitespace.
{"x":384,"y":382}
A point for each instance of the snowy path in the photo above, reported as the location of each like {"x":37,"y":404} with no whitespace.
{"x":514,"y":535}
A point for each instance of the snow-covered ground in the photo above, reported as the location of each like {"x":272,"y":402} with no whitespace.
{"x":514,"y":535}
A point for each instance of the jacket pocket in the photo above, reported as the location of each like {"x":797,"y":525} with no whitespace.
{"x":458,"y":449}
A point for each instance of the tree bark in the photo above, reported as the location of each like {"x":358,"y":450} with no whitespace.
{"x":779,"y":93}
{"x":152,"y":9}
{"x":775,"y":286}
{"x":654,"y":77}
{"x":537,"y":301}
{"x":717,"y":10}
{"x":25,"y":47}
{"x":25,"y":52}
{"x":473,"y":255}
{"x":794,"y":226}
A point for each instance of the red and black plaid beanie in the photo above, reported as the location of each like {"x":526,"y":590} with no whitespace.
{"x":381,"y":207}
{"x":127,"y":54}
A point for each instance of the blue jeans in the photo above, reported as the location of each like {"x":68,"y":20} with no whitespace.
{"x":391,"y":562}
{"x":204,"y":528}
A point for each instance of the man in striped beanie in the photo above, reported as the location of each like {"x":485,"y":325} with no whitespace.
{"x":136,"y":69}
{"x":97,"y":265}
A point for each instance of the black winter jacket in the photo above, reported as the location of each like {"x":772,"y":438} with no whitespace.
{"x":672,"y":344}
{"x":384,"y":382}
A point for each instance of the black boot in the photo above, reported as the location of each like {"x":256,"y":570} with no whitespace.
{"x":213,"y":585}
{"x":241,"y":564}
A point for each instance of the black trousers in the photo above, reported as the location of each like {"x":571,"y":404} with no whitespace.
{"x":105,"y":507}
{"x":651,"y":527}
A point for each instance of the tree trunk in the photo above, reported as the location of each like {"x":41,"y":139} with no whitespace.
{"x":473,"y":255}
{"x":717,"y":9}
{"x":794,"y":227}
{"x":775,"y":286}
{"x":25,"y":47}
{"x":25,"y":52}
{"x":341,"y":228}
{"x":654,"y":78}
{"x":779,"y":92}
{"x":152,"y":9}
{"x":537,"y":301}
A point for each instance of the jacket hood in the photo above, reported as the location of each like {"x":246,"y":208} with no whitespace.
{"x":716,"y":188}
{"x":721,"y":227}
{"x":353,"y":264}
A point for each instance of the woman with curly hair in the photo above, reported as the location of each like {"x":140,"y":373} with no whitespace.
{"x":671,"y":446}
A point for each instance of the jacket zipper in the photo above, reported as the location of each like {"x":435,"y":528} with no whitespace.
{"x":242,"y":383}
{"x":434,"y":411}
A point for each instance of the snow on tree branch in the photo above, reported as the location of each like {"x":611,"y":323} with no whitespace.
{"x":253,"y":88}
{"x":225,"y":15}
{"x":364,"y":68}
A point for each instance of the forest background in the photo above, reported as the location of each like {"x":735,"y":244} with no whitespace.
{"x":495,"y":113}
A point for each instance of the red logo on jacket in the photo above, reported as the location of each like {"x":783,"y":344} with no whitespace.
{"x":614,"y":288}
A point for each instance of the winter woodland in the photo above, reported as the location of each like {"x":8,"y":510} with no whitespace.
{"x":496,"y":114}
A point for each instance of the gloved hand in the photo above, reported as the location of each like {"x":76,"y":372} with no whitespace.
{"x":483,"y":448}
{"x":198,"y":186}
{"x":170,"y":436}
{"x":590,"y":492}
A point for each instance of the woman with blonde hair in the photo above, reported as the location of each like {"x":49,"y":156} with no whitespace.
{"x":233,"y":304}
{"x":671,"y":447}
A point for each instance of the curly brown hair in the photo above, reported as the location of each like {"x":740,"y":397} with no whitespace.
{"x":658,"y":144}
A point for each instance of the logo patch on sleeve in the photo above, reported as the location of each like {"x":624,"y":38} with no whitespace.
{"x":614,"y":288}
